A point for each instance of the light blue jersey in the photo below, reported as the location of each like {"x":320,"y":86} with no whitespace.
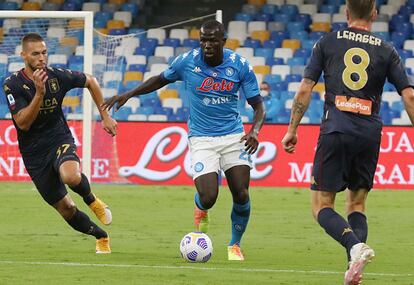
{"x":213,"y":91}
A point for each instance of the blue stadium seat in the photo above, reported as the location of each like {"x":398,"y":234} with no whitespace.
{"x":316,"y":35}
{"x":270,"y":9}
{"x":338,"y":26}
{"x":272,"y":79}
{"x":280,"y":86}
{"x":383,"y":35}
{"x":335,"y":2}
{"x":58,"y":65}
{"x":263,"y":17}
{"x":244,"y":17}
{"x":330,"y":9}
{"x":145,"y":110}
{"x":144,"y":51}
{"x":274,"y":61}
{"x":282,"y":18}
{"x":272,"y":44}
{"x":305,"y":19}
{"x":131,"y":7}
{"x":288,"y":9}
{"x":293,"y":78}
{"x":68,"y":6}
{"x":252,"y":43}
{"x":397,"y":20}
{"x":139,"y":32}
{"x":117,"y":32}
{"x":405,"y":28}
{"x":137,"y":67}
{"x":301,"y":52}
{"x":295,"y":27}
{"x":150,"y":102}
{"x":279,"y":35}
{"x":163,"y":111}
{"x":193,"y":43}
{"x":405,"y":53}
{"x":172,"y":42}
{"x":104,"y":16}
{"x":308,"y":44}
{"x":9,"y":6}
{"x":123,"y":113}
{"x":183,"y":112}
{"x":265,"y":52}
{"x":299,"y":35}
{"x":398,"y":39}
{"x":296,"y":61}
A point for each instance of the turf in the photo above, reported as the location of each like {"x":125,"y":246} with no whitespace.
{"x":282,"y":245}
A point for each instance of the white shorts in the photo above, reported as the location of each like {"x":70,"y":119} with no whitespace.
{"x":210,"y":154}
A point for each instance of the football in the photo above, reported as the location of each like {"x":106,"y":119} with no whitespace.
{"x":196,"y":247}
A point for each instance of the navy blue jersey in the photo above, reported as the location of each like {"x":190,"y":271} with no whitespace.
{"x":355,"y":64}
{"x":50,"y":127}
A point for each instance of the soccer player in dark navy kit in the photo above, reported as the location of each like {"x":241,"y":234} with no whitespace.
{"x":355,"y":64}
{"x":213,"y":75}
{"x":35,"y":95}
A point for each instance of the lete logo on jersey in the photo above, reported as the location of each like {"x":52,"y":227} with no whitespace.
{"x":11,"y":100}
{"x":209,"y":84}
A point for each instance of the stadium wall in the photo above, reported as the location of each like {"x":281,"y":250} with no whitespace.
{"x":157,"y":153}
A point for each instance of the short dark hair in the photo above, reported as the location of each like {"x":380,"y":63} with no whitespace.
{"x":31,"y":38}
{"x":360,"y":9}
{"x":213,"y":25}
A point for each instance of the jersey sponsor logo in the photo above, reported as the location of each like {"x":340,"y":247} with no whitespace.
{"x":209,"y":84}
{"x":216,"y":101}
{"x":353,"y":105}
{"x":53,"y":85}
{"x":11,"y":100}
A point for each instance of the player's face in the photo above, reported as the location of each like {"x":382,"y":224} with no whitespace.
{"x":35,"y":55}
{"x":212,"y":43}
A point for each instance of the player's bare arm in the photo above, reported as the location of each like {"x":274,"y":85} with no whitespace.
{"x":108,"y":123}
{"x":150,"y":85}
{"x":408,"y":98}
{"x":26,"y":116}
{"x":251,"y":138}
{"x":299,"y":107}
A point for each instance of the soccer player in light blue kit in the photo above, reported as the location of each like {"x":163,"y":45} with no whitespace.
{"x":217,"y":141}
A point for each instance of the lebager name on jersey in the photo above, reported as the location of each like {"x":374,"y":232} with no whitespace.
{"x":358,"y":37}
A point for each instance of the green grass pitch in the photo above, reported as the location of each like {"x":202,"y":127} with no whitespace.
{"x":282,"y":245}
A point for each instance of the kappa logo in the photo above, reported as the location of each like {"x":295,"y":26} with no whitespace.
{"x":197,"y":69}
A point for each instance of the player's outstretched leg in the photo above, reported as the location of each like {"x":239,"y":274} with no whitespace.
{"x":361,"y":255}
{"x":101,"y":210}
{"x":201,"y":216}
{"x":80,"y":222}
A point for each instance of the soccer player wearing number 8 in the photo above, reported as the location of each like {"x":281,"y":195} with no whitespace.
{"x":213,"y":75}
{"x":35,"y":95}
{"x":355,"y":64}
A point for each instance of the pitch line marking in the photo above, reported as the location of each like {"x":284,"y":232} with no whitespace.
{"x":263,"y":270}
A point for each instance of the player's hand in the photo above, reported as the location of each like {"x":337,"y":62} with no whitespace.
{"x":109,"y":125}
{"x":40,"y":77}
{"x":118,"y":100}
{"x":252,"y":142}
{"x":289,"y":142}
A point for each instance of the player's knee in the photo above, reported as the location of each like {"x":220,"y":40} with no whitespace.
{"x":71,"y":178}
{"x":208,"y":200}
{"x":67,"y":211}
{"x":241,"y":197}
{"x":355,"y":206}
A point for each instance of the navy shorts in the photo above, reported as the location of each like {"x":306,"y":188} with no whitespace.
{"x":44,"y":171}
{"x":344,"y":161}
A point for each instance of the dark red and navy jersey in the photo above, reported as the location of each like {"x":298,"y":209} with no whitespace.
{"x":50,"y":127}
{"x":355,"y":64}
